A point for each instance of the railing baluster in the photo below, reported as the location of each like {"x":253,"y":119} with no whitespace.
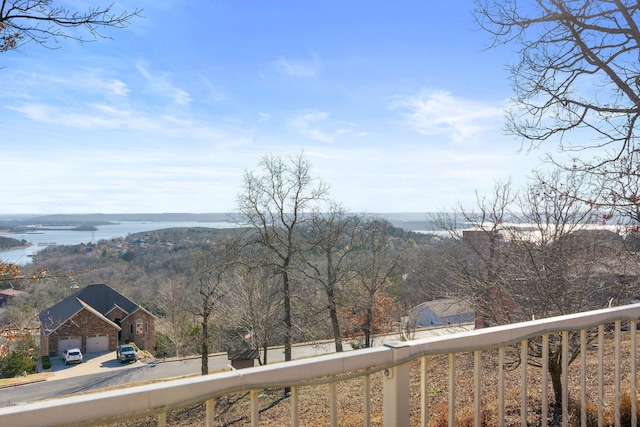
{"x":162,"y":419}
{"x":294,"y":407}
{"x":583,"y":377}
{"x":255,"y":409}
{"x":501,"y":351}
{"x":633,"y":327}
{"x":366,"y":405}
{"x":424,"y":392}
{"x":545,"y":379}
{"x":394,"y":368}
{"x":524,"y":351}
{"x":210,"y":411}
{"x":396,"y":382}
{"x":565,"y":378}
{"x":396,"y":396}
{"x":333,"y":404}
{"x":452,"y":389}
{"x":600,"y":375}
{"x":477,"y":361}
{"x":617,"y":346}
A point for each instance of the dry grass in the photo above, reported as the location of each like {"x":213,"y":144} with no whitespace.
{"x":27,"y":379}
{"x":314,"y":401}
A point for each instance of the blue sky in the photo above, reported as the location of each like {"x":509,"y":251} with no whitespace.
{"x":397,"y":105}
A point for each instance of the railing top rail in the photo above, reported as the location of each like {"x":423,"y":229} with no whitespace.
{"x":160,"y":397}
{"x":500,"y":336}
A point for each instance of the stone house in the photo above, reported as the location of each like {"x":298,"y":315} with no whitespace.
{"x":95,"y":319}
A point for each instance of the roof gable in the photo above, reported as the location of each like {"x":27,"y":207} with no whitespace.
{"x":144,"y":310}
{"x":98,"y":315}
{"x":103,"y":298}
{"x":100,"y":297}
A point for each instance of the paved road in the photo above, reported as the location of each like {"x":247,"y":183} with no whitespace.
{"x":101,"y":371}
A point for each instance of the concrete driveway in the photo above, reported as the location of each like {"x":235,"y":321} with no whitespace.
{"x":92,"y":363}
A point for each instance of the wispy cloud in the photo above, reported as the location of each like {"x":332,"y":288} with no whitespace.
{"x":118,"y":87}
{"x":97,"y":116}
{"x":160,"y":84}
{"x":439,"y":112}
{"x":299,"y":68}
{"x":100,"y":101}
{"x":311,"y":125}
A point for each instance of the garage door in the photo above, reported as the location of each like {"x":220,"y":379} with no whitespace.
{"x":66,"y":342}
{"x":97,"y":343}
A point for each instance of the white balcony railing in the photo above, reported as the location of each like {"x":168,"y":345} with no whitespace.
{"x":393,"y":362}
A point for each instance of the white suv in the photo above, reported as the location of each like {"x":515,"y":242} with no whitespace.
{"x":72,"y":355}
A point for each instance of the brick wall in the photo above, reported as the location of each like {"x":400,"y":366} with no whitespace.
{"x":84,"y":323}
{"x":140,"y":327}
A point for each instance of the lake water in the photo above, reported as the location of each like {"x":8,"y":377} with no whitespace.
{"x":65,"y":236}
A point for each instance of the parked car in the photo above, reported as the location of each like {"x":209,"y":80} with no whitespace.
{"x":72,"y":355}
{"x":126,"y":353}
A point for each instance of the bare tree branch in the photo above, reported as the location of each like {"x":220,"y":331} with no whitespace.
{"x":43,"y":23}
{"x":578,"y":68}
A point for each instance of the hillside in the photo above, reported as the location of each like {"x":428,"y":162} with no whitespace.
{"x":7,"y":243}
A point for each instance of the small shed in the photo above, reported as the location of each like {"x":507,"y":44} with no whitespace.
{"x":241,"y":359}
{"x":441,"y":312}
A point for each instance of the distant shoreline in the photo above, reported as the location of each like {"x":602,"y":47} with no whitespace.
{"x":15,"y":248}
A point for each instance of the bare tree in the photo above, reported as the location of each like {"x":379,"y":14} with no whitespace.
{"x":373,"y":265}
{"x":45,"y":23}
{"x":173,"y":303}
{"x":536,"y":254}
{"x":330,"y":239}
{"x":577,"y":78}
{"x":274,"y":204}
{"x":253,"y":309}
{"x":213,"y":267}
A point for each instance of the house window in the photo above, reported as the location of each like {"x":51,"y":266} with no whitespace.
{"x":83,"y":320}
{"x":131,"y":328}
{"x":146,"y":327}
{"x":139,"y":326}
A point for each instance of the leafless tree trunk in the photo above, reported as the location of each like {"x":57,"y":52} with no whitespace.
{"x":253,"y":308}
{"x":172,"y":301}
{"x":274,"y":204}
{"x":374,"y":263}
{"x":212,"y":270}
{"x":330,"y":239}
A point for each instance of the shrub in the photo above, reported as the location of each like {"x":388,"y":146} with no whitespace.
{"x":46,"y":362}
{"x":22,"y":359}
{"x":164,"y":345}
{"x":18,"y":363}
{"x":133,"y":344}
{"x":357,"y":344}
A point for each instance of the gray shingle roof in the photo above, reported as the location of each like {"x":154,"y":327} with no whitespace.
{"x":446,"y":307}
{"x":100,"y":297}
